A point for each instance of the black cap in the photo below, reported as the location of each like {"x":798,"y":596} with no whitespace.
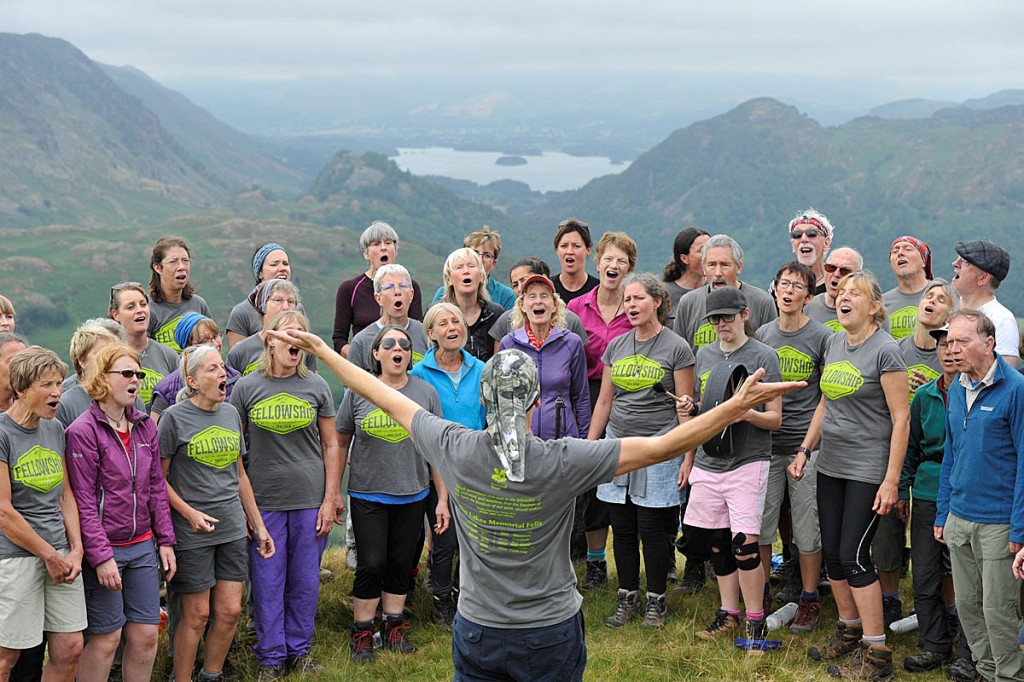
{"x":725,"y":301}
{"x":987,"y":256}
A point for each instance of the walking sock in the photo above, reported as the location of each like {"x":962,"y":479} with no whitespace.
{"x":855,"y":621}
{"x":808,"y":596}
{"x":877,"y":640}
{"x":755,"y":615}
{"x":595,"y":555}
{"x":735,"y":613}
{"x":890,"y":595}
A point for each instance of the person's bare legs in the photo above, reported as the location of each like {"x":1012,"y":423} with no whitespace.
{"x":227,"y":609}
{"x":65,"y":649}
{"x":98,"y":656}
{"x":139,"y":651}
{"x":195,"y":612}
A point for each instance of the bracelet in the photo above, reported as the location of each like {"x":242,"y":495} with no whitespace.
{"x":801,"y":448}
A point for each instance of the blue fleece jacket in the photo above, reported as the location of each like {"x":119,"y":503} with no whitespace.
{"x":462,"y":406}
{"x":982,"y":476}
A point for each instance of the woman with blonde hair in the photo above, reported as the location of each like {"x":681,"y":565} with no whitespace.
{"x":129,"y":307}
{"x":465,"y":286}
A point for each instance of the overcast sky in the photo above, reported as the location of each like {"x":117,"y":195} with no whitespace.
{"x":935,"y":49}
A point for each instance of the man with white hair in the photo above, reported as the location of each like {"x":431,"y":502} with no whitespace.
{"x":810,"y":235}
{"x":980,"y":267}
{"x":840,"y":263}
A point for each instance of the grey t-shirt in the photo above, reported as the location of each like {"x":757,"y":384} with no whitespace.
{"x":245,"y":356}
{"x":858,"y":426}
{"x":359,"y":349}
{"x":675,"y":292}
{"x":752,"y":355}
{"x":801,"y":355}
{"x":572,"y":322}
{"x":204,"y":448}
{"x":514,"y":537}
{"x":902,"y":310}
{"x":698,"y":332}
{"x":245,"y":320}
{"x":818,"y":311}
{"x":286,"y":464}
{"x":924,"y":361}
{"x":164,"y":317}
{"x":157,"y":362}
{"x":637,"y":410}
{"x":75,"y":401}
{"x":382,"y":458}
{"x":35,"y":467}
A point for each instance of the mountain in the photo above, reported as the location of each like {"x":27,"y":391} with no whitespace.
{"x":75,"y":147}
{"x":910,"y":108}
{"x":241,"y":161}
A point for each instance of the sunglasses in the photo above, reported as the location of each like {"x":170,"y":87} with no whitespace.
{"x":391,"y":342}
{"x":830,"y":268}
{"x":718,"y":319}
{"x":128,"y":373}
{"x":811,"y":233}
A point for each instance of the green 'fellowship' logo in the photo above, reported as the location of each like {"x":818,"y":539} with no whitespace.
{"x":165,"y":334}
{"x":636,"y":372}
{"x":251,"y":367}
{"x":903,"y":322}
{"x":704,"y":335}
{"x":215,"y":447}
{"x":282,"y":413}
{"x":927,"y":371}
{"x":381,"y":426}
{"x":147,"y":385}
{"x":796,"y":365}
{"x":840,"y":379}
{"x":834,"y":326}
{"x":39,"y":468}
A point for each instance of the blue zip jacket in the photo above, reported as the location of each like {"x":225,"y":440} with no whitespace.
{"x":982,"y":477}
{"x":462,"y":406}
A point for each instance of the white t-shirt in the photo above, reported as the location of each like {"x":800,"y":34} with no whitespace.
{"x":1007,"y":334}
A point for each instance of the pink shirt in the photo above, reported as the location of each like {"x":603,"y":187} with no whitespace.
{"x":600,"y":334}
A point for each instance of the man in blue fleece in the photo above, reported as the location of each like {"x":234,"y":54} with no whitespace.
{"x":980,"y":508}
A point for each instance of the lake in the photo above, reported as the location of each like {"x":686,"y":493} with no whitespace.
{"x":548,"y":172}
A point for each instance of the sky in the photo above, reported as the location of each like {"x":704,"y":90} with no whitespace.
{"x":927,"y":48}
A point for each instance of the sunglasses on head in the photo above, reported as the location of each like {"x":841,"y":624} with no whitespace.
{"x":390,"y":342}
{"x":811,"y":233}
{"x":128,"y":373}
{"x":830,"y":268}
{"x":717,"y":319}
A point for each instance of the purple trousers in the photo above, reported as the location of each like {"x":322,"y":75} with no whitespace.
{"x":285,"y":588}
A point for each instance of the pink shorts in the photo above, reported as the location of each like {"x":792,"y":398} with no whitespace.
{"x":728,"y":499}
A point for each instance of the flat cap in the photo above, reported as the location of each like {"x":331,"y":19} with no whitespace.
{"x":987,"y":256}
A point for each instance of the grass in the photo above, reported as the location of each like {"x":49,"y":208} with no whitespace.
{"x":630,"y":654}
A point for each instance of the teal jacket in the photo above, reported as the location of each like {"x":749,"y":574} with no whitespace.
{"x":927,"y":443}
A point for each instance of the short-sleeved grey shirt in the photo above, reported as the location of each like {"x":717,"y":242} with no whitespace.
{"x":286,"y":464}
{"x":359,"y":350}
{"x":818,"y":311}
{"x":164,"y":318}
{"x":382,"y":458}
{"x":245,"y":320}
{"x":922,"y":360}
{"x":245,"y":356}
{"x":157,"y":362}
{"x":698,"y":332}
{"x":503,"y":326}
{"x":902,"y":310}
{"x":35,"y":469}
{"x":204,"y":448}
{"x":801,"y":355}
{"x":858,"y":425}
{"x":637,"y":410}
{"x":514,"y":537}
{"x":752,"y":355}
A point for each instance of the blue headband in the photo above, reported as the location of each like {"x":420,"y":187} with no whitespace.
{"x":187,"y":323}
{"x":261,"y":255}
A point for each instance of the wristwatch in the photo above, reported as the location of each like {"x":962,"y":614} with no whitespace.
{"x":801,"y":448}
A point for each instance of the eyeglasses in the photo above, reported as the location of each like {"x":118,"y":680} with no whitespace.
{"x":128,"y":373}
{"x":390,"y":342}
{"x":391,"y":285}
{"x":206,"y":341}
{"x":716,"y":320}
{"x":811,"y":233}
{"x":178,"y":261}
{"x":486,"y":257}
{"x":280,"y":300}
{"x":830,"y":268}
{"x":798,"y":287}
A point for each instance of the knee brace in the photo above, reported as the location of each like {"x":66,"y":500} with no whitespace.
{"x":740,"y":548}
{"x":723,"y":561}
{"x":695,"y":542}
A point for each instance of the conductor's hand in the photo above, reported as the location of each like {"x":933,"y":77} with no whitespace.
{"x":307,"y":341}
{"x":754,"y":392}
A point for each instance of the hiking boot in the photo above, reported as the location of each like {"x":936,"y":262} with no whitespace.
{"x":766,"y":602}
{"x":872,"y":662}
{"x":672,"y":575}
{"x":305,"y":664}
{"x":962,"y":670}
{"x":924,"y":661}
{"x":778,"y":574}
{"x":326,"y":575}
{"x":725,"y":624}
{"x":443,"y":613}
{"x":892,"y":611}
{"x":756,"y":633}
{"x":807,"y":615}
{"x":393,"y":631}
{"x":271,"y":672}
{"x":845,"y":640}
{"x":792,"y":586}
{"x":628,"y":606}
{"x":694,"y":578}
{"x":597,"y":575}
{"x":360,"y":644}
{"x":655,"y":611}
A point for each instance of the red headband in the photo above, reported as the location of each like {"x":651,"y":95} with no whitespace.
{"x":922,"y":248}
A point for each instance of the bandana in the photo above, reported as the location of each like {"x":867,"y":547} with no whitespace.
{"x":261,"y":255}
{"x":922,"y":248}
{"x":813,"y":222}
{"x":260,"y":294}
{"x":509,"y":387}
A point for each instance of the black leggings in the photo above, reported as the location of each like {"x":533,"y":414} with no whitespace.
{"x":632,"y":524}
{"x":386,"y":535}
{"x":848,"y":525}
{"x":445,"y":551}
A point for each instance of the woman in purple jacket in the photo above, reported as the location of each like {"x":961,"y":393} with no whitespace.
{"x":115,"y":472}
{"x":538,"y":329}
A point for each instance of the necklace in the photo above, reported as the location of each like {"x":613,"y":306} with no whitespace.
{"x":117,"y":422}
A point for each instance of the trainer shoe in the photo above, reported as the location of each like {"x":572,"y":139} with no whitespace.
{"x":871,"y":662}
{"x":360,"y":644}
{"x":892,"y":611}
{"x":845,"y":640}
{"x":597,"y":575}
{"x":807,"y":615}
{"x":694,"y":578}
{"x":655,"y":611}
{"x":725,"y":624}
{"x":924,"y":661}
{"x":626,"y":609}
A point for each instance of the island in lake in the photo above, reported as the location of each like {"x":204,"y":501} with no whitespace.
{"x":510,"y":161}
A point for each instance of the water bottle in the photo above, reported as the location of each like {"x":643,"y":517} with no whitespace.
{"x":784,"y":616}
{"x":907,"y":624}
